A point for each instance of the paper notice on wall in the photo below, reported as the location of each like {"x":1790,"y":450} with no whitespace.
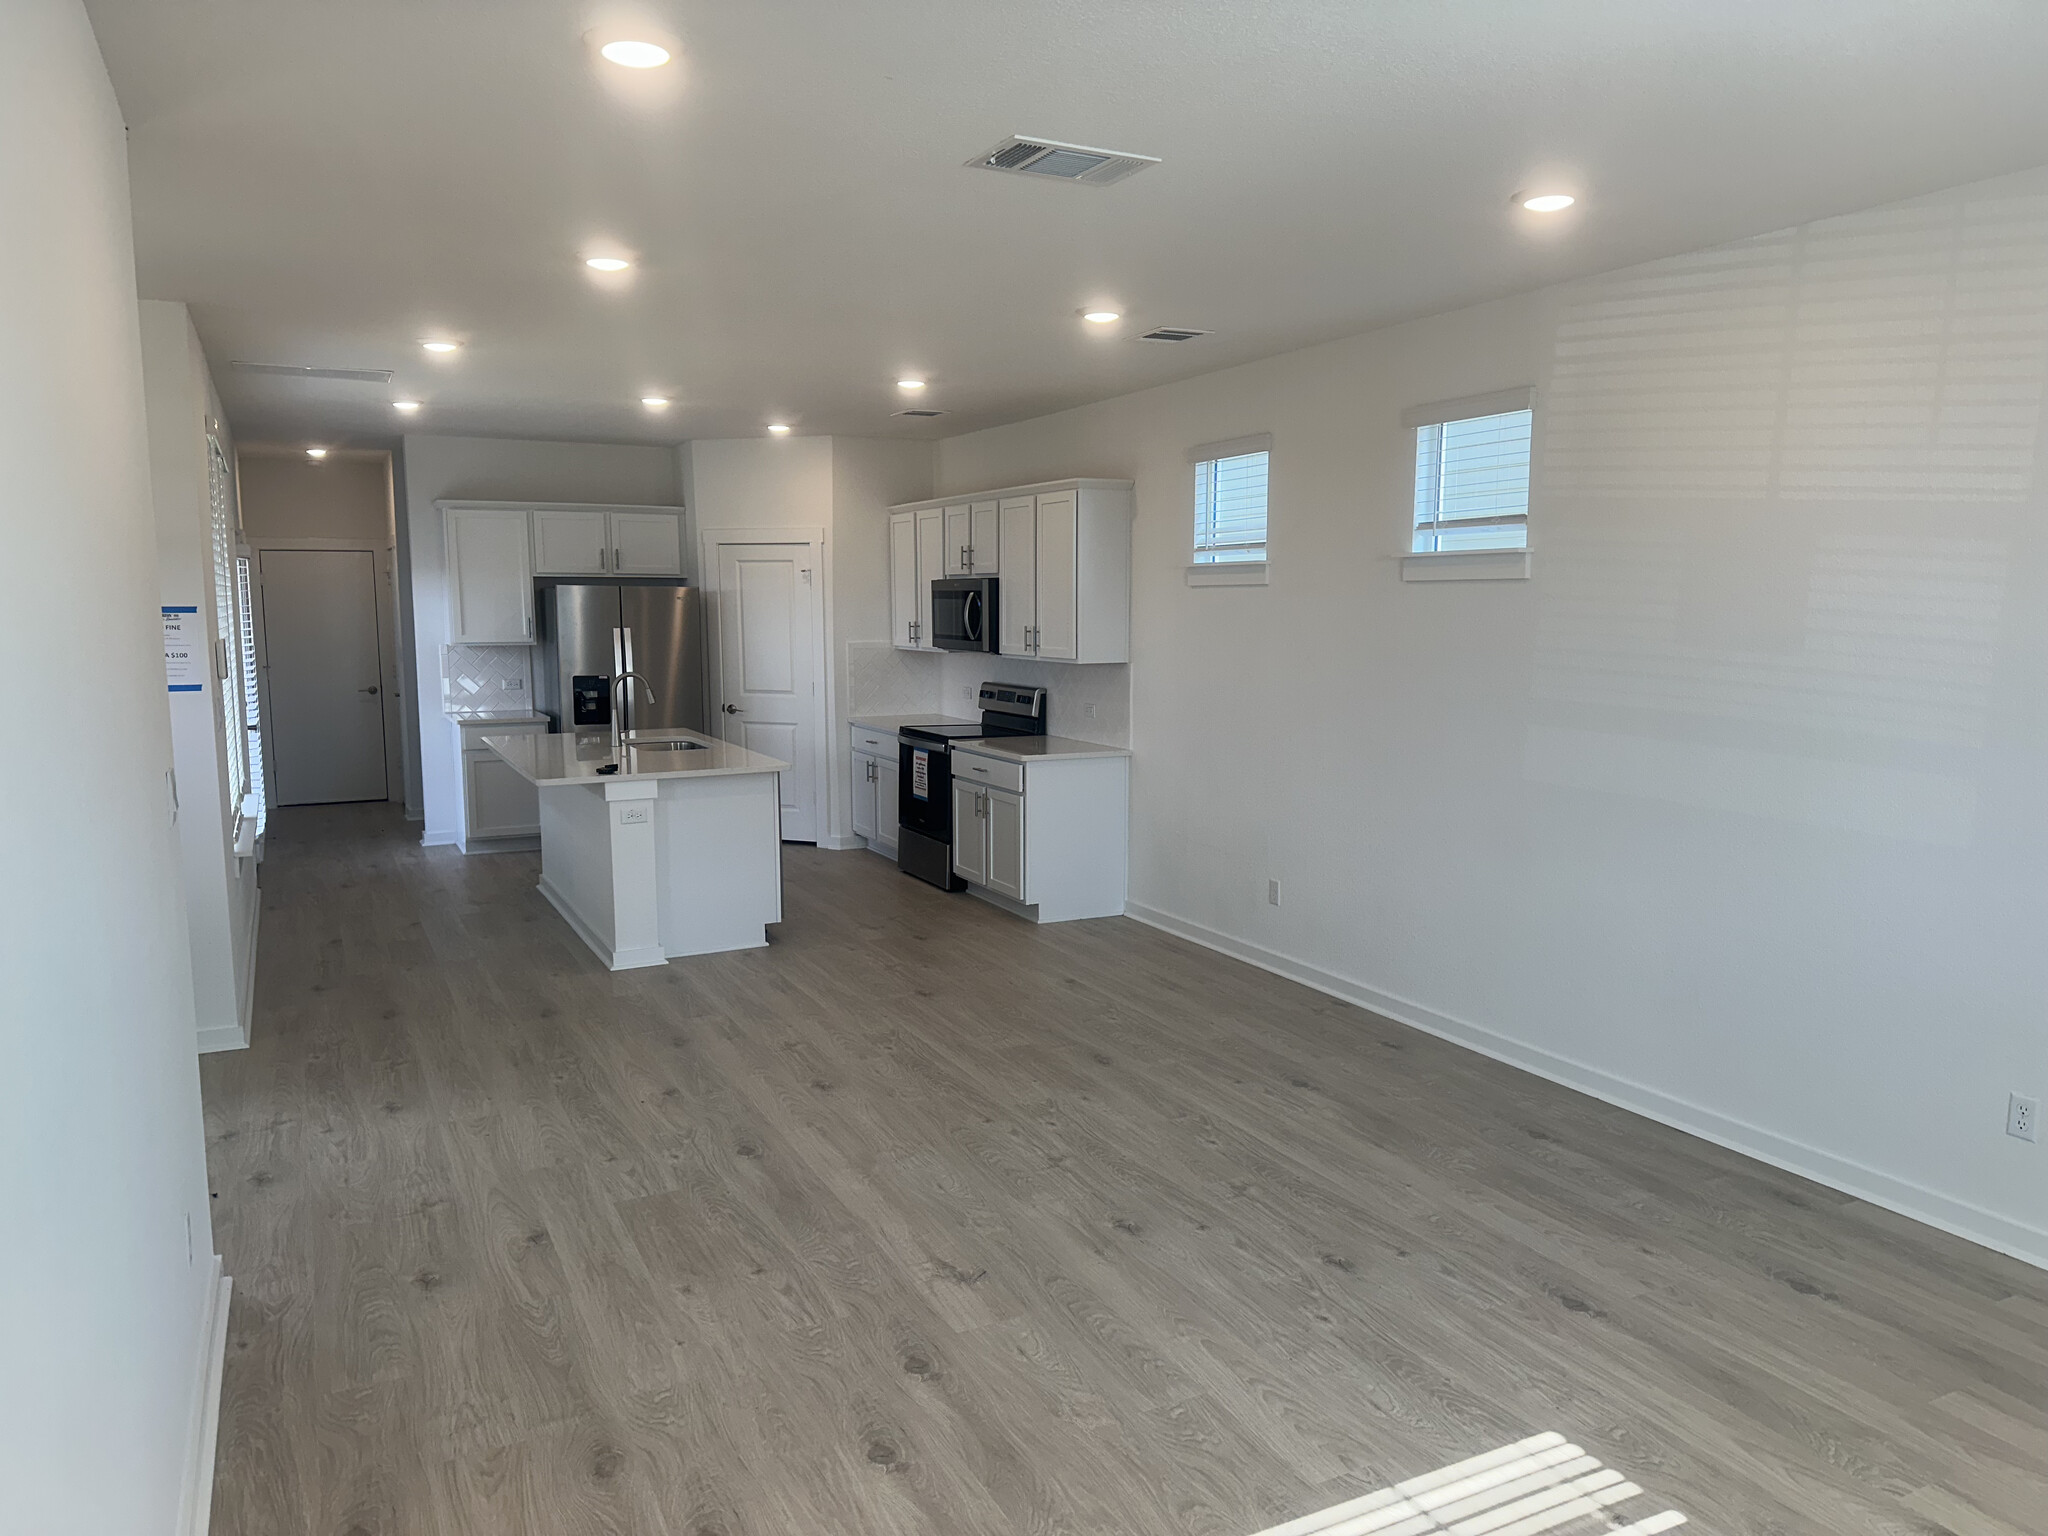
{"x":183,"y":650}
{"x":921,"y":773}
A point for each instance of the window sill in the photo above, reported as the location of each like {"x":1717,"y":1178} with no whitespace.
{"x":1228,"y":573}
{"x":1467,"y":565}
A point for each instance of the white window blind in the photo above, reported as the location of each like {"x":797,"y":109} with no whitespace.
{"x":226,"y":641}
{"x":253,"y":734}
{"x":1472,"y":472}
{"x":1230,"y":499}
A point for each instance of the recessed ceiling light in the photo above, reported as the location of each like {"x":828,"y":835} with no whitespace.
{"x":405,"y":405}
{"x":316,"y":453}
{"x":606,"y":263}
{"x":655,"y":402}
{"x":779,"y":428}
{"x":635,"y":55}
{"x":910,"y":383}
{"x":1100,"y":316}
{"x":441,"y":346}
{"x":1548,"y":202}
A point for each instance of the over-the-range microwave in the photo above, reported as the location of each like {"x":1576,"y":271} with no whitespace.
{"x":964,"y":613}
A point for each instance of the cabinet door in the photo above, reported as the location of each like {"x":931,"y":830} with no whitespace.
{"x":571,"y":544}
{"x":984,"y":544}
{"x":1017,"y":540}
{"x":888,"y":780}
{"x":959,"y":533}
{"x":1005,"y":816}
{"x":647,"y":544}
{"x":931,"y":564}
{"x":498,"y":802}
{"x":1059,"y":553}
{"x":903,"y":579}
{"x":970,"y":834}
{"x":863,"y":796}
{"x":490,"y":577}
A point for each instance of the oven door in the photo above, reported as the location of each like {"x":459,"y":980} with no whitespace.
{"x":964,"y":613}
{"x":924,"y":789}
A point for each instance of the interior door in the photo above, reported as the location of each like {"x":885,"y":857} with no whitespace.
{"x":320,"y":644}
{"x":1059,"y":565}
{"x":903,"y":579}
{"x":931,"y":560}
{"x":768,"y":664}
{"x":1017,"y":597}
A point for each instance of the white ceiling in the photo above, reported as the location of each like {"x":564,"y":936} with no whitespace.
{"x":326,"y":181}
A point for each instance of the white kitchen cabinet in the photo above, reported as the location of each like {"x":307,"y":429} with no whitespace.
{"x":1056,"y":601}
{"x":647,"y":543}
{"x":875,"y":777}
{"x":1047,"y":839}
{"x":917,"y":555}
{"x":569,"y":541}
{"x":489,"y":576}
{"x":888,"y":788}
{"x":500,"y":809}
{"x":1017,"y":595}
{"x":972,"y":539}
{"x":607,"y":541}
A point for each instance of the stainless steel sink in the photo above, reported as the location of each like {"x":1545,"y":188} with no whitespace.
{"x":676,"y":745}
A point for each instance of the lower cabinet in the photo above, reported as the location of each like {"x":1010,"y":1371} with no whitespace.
{"x":1051,"y":835}
{"x":876,"y":773}
{"x":500,"y":810}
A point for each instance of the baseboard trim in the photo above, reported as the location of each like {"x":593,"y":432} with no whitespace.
{"x":1960,"y":1218}
{"x":841,"y":844}
{"x":433,"y":839}
{"x":195,"y":1512}
{"x":614,"y":959}
{"x":236,"y":1036}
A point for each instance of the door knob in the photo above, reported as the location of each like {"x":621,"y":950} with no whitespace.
{"x":371,"y":689}
{"x":732,"y":709}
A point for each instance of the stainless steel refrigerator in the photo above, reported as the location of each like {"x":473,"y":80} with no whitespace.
{"x":591,"y":630}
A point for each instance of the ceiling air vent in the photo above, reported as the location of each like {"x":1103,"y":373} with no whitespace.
{"x":918,"y":413}
{"x":295,"y":371}
{"x":1171,"y":333}
{"x":1062,"y":162}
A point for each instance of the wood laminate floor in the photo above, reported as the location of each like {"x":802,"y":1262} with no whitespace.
{"x":924,"y":1220}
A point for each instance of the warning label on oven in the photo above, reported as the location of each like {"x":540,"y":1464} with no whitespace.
{"x":921,"y":774}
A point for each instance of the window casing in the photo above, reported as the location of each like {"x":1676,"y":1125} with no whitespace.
{"x":1231,"y":500}
{"x":1472,"y":472}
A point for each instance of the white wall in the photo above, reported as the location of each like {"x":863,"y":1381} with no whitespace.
{"x":102,"y":1171}
{"x":221,"y":899}
{"x":492,"y":469}
{"x":1733,"y":812}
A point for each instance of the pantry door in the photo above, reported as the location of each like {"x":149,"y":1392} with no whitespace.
{"x":769,"y":671}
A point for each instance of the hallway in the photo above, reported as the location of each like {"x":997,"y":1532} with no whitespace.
{"x":927,"y":1220}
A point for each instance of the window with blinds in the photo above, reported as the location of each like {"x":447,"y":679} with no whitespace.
{"x":1472,"y":472}
{"x":253,"y":724}
{"x":226,"y":642}
{"x":1230,"y":500}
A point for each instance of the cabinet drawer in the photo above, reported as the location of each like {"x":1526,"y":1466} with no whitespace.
{"x":874,"y":743}
{"x":973,"y":768}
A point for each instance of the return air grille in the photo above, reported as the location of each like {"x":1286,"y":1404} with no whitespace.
{"x":295,"y":371}
{"x":1061,"y":162}
{"x":919,"y":413}
{"x":1171,"y":333}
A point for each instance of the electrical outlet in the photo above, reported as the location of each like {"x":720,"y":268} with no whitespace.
{"x":2023,"y":1118}
{"x":515,"y":685}
{"x":635,"y":813}
{"x":1273,"y":892}
{"x":1089,"y":710}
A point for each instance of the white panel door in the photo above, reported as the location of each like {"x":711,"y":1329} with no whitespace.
{"x":490,"y":577}
{"x":326,"y":717}
{"x":571,"y":543}
{"x":959,"y":534}
{"x":931,"y":564}
{"x":1005,"y":814}
{"x":1017,"y":535}
{"x":970,"y":839}
{"x":903,"y":579}
{"x":768,"y":667}
{"x":647,"y":544}
{"x":984,"y":552}
{"x":888,"y":785}
{"x":1058,"y":571}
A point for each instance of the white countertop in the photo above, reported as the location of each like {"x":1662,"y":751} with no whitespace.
{"x":898,"y":722}
{"x":487,"y":716}
{"x":1037,"y":749}
{"x":575,"y":759}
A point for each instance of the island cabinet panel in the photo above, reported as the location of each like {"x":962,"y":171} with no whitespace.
{"x":490,"y":576}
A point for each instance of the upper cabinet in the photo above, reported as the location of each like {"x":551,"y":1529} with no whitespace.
{"x":917,"y":555}
{"x":972,"y":544}
{"x":490,"y":575}
{"x":607,"y":541}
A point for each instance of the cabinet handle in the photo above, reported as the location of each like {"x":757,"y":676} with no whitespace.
{"x":529,"y":629}
{"x":618,"y":563}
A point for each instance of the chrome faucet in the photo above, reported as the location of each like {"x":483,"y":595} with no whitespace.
{"x":619,"y":710}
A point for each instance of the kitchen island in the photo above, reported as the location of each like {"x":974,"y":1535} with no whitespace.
{"x":679,"y":852}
